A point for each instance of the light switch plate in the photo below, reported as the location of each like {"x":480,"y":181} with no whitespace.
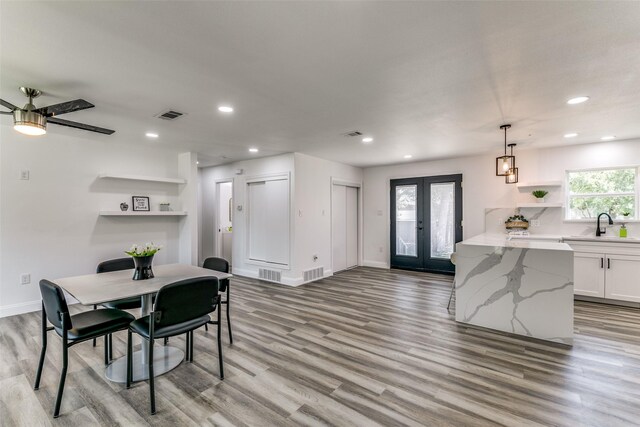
{"x":25,"y":279}
{"x":24,"y":175}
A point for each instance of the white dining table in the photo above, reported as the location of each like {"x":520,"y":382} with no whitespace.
{"x":96,"y":289}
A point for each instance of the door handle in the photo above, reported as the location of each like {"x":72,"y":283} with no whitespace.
{"x":608,"y":263}
{"x":601,"y":262}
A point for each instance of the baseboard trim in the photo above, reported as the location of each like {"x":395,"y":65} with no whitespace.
{"x":287,"y":281}
{"x":20,"y":308}
{"x":375,"y":264}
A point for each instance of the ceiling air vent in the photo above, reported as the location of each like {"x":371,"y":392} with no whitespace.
{"x":353,"y":133}
{"x":169,"y":115}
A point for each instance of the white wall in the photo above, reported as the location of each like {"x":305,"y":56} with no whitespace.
{"x":209,"y":176}
{"x":313,"y":209}
{"x":50,"y":224}
{"x":482,"y":189}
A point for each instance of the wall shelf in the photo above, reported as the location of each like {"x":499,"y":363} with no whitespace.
{"x":143,"y":213}
{"x":539,"y":184}
{"x":144,"y":178}
{"x":539,"y":205}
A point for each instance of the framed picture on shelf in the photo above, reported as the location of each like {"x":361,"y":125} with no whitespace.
{"x":140,"y":203}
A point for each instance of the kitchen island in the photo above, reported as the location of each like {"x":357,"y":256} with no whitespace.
{"x":516,"y":286}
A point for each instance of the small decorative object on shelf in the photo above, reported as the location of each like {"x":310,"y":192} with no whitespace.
{"x":517,"y":222}
{"x":539,"y":195}
{"x":142,"y":258}
{"x":165,"y":207}
{"x":140,"y":203}
{"x":124,"y":206}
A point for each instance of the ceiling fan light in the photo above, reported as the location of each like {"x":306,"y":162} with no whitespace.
{"x":29,"y":123}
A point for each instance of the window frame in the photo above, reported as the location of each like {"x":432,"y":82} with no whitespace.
{"x":635,"y":193}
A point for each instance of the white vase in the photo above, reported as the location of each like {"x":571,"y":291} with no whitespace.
{"x":540,"y":200}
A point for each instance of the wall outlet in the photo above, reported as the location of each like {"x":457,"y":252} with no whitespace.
{"x":25,"y":279}
{"x":379,"y":212}
{"x":24,"y":175}
{"x":315,"y":258}
{"x":535,"y":223}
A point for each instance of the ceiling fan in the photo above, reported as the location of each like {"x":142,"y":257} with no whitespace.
{"x":30,"y":120}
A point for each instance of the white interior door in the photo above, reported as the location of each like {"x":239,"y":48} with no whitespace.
{"x":344,"y":217}
{"x":339,"y":227}
{"x":352,"y":226}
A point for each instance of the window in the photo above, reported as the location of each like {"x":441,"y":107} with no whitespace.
{"x":591,"y":192}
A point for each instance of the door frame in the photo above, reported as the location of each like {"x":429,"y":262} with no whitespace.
{"x":346,"y":183}
{"x":419,"y":175}
{"x":216,"y":226}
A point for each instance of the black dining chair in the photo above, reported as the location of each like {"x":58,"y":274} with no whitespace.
{"x":130,"y":303}
{"x":222,"y":265}
{"x":74,"y":329}
{"x":180,"y":307}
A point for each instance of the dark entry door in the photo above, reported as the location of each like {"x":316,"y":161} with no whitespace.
{"x":426,"y":222}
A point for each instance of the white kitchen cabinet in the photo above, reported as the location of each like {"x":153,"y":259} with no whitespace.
{"x":607,"y":270}
{"x":588,"y":274}
{"x":623,"y":278}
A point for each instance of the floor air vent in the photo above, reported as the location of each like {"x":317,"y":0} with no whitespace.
{"x":314,"y":274}
{"x":169,"y":115}
{"x":271,"y":275}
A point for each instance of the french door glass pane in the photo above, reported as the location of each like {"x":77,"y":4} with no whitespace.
{"x":406,"y":230}
{"x":442,"y":219}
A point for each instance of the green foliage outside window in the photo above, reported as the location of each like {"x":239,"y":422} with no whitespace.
{"x":612,"y":191}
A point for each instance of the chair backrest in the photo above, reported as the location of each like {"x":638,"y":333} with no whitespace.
{"x":54,"y":304}
{"x":185,"y":300}
{"x":217,"y":264}
{"x":117,"y":264}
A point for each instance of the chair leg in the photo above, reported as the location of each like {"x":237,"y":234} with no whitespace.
{"x":220,"y":344}
{"x":453,"y":288}
{"x":95,"y":307}
{"x":129,"y":358}
{"x":166,"y":341}
{"x":206,"y":327}
{"x":191,"y":346}
{"x":44,"y":349}
{"x":152,"y":394}
{"x":110,"y":347}
{"x":63,"y":373}
{"x":187,"y":346}
{"x":106,"y":350}
{"x":229,"y":316}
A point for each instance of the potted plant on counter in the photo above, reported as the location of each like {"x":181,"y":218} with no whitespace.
{"x":539,"y":195}
{"x":516,"y":223}
{"x":143,"y":258}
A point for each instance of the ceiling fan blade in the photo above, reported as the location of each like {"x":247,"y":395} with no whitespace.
{"x":77,"y":125}
{"x":9,"y":105}
{"x":65,"y":107}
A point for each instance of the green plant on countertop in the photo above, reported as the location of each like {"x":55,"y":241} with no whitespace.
{"x":626,"y":214}
{"x":516,"y":218}
{"x":539,"y":194}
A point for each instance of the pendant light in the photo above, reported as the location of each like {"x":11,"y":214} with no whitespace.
{"x":505,"y":163}
{"x":512,"y":175}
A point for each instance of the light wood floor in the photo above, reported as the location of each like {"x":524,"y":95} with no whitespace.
{"x":366,"y":347}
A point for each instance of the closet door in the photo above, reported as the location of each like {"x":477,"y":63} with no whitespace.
{"x":351,"y":215}
{"x":339,"y":227}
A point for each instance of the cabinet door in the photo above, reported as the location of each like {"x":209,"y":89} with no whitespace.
{"x":623,"y":277}
{"x":588,"y":274}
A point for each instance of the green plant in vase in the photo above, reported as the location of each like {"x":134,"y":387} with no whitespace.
{"x":142,"y":259}
{"x":539,"y":195}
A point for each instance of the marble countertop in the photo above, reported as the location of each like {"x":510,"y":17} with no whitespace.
{"x":504,"y":241}
{"x":602,"y":239}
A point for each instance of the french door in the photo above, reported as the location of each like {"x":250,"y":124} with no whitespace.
{"x":426,"y":222}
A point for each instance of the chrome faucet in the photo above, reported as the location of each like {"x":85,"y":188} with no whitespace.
{"x":600,"y":231}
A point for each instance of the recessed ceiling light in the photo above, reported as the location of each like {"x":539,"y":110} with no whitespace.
{"x":197,"y":162}
{"x":578,"y":100}
{"x":608,"y":138}
{"x":253,"y":150}
{"x":570,"y":135}
{"x":225,"y":109}
{"x":408,"y":156}
{"x":367,"y":140}
{"x":151,"y":135}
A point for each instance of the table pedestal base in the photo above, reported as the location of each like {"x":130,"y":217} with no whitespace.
{"x":165,"y":358}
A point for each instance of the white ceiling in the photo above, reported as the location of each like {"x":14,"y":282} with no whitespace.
{"x":429,"y":79}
